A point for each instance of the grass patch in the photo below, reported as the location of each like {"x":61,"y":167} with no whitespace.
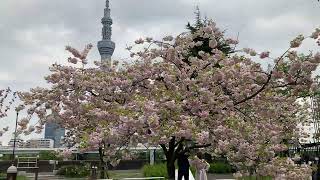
{"x":156,"y":170}
{"x":22,"y":178}
{"x":3,"y":176}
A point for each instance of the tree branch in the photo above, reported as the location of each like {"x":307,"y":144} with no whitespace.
{"x":265,"y":84}
{"x":256,"y":93}
{"x":179,"y":142}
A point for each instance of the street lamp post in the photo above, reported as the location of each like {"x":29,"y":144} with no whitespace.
{"x":94,"y":172}
{"x":12,"y":170}
{"x":15,"y":139}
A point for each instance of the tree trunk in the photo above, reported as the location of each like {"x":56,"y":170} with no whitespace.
{"x":171,"y":157}
{"x":102,"y":168}
{"x":174,"y":150}
{"x":102,"y":164}
{"x":171,"y":170}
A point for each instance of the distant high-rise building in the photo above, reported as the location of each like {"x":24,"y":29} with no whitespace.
{"x":39,"y":143}
{"x":106,"y":46}
{"x":54,"y":132}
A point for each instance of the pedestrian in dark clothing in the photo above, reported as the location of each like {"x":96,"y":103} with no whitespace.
{"x":183,"y":167}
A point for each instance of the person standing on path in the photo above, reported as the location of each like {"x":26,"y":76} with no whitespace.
{"x":183,"y":167}
{"x":201,"y":166}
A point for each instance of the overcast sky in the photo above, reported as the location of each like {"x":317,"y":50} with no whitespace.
{"x":33,"y":33}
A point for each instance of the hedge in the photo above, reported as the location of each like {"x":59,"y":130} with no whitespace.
{"x":220,"y":168}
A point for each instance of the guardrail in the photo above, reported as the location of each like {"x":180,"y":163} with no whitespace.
{"x":25,"y":163}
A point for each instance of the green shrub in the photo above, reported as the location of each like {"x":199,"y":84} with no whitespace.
{"x":74,"y":171}
{"x":157,"y":170}
{"x":220,"y":168}
{"x":49,"y":155}
{"x":6,"y":157}
{"x":3,"y":176}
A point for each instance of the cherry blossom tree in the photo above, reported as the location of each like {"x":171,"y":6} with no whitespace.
{"x":228,"y":103}
{"x":220,"y":103}
{"x":89,"y":102}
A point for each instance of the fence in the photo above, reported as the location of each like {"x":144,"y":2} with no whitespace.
{"x":308,"y":152}
{"x":45,"y":166}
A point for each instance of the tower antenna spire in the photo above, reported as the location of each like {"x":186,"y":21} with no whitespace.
{"x":106,"y":46}
{"x":107,"y":4}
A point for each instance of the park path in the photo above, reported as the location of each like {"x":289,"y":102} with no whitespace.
{"x":50,"y":176}
{"x":211,"y":176}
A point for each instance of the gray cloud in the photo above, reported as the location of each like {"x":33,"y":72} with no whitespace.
{"x":33,"y":33}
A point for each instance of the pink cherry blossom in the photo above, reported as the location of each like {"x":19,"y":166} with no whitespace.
{"x":264,"y":54}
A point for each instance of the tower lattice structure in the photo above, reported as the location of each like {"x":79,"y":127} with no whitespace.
{"x":106,"y":46}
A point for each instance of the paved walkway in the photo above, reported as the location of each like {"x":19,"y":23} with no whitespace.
{"x":55,"y":178}
{"x":210,"y":176}
{"x":50,"y":176}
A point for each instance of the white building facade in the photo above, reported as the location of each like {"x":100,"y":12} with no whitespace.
{"x":39,"y":143}
{"x":19,"y":143}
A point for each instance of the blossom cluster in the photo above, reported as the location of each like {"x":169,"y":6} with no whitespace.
{"x":7,"y":98}
{"x":285,"y":168}
{"x":4,"y":102}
